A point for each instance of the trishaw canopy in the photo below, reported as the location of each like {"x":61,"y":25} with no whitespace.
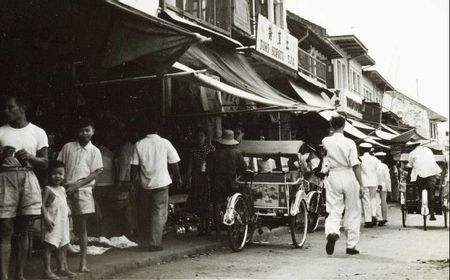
{"x":405,"y":156}
{"x":261,"y":148}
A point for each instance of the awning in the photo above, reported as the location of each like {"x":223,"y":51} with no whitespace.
{"x":361,"y":125}
{"x":237,"y":72}
{"x":174,"y":17}
{"x":384,"y":135}
{"x":387,"y":128}
{"x":209,"y":82}
{"x":308,"y":97}
{"x":135,"y":35}
{"x":410,"y":134}
{"x":350,"y":129}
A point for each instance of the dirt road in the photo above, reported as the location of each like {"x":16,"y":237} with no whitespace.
{"x":389,"y":252}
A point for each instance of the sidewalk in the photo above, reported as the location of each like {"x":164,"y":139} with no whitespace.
{"x":120,"y":260}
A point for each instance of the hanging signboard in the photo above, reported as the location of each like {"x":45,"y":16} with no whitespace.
{"x":210,"y":98}
{"x":241,"y":15}
{"x":276,"y":43}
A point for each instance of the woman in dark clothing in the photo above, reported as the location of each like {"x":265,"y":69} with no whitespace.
{"x":223,"y":166}
{"x":197,"y":180}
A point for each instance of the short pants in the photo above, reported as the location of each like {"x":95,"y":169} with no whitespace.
{"x":82,"y":202}
{"x":20,"y":193}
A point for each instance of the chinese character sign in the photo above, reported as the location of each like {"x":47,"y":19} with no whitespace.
{"x":276,"y":43}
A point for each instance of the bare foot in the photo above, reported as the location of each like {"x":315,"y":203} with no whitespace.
{"x":67,"y":273}
{"x":84,"y":269}
{"x":49,"y":275}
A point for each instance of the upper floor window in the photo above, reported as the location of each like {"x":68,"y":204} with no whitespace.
{"x":215,"y":13}
{"x":272,"y":10}
{"x":356,"y":80}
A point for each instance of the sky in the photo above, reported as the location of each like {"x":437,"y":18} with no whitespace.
{"x":409,"y":40}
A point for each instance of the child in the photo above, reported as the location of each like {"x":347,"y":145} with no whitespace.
{"x":55,"y":220}
{"x":83,"y":163}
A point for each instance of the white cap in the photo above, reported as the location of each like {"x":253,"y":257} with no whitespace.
{"x":365,"y":145}
{"x":380,"y":154}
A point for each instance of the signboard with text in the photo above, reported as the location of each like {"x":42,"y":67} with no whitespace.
{"x":276,"y":43}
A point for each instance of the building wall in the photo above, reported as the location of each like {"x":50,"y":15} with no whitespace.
{"x":411,"y":113}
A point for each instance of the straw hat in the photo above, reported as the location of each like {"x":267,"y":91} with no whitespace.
{"x":227,"y":138}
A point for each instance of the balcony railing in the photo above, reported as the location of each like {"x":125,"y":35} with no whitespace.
{"x":311,"y":66}
{"x":215,"y":14}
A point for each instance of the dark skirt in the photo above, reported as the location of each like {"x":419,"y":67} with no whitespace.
{"x":199,"y":197}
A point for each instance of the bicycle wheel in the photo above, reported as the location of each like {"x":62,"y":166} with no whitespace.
{"x":237,"y":232}
{"x":313,"y":217}
{"x":299,"y":226}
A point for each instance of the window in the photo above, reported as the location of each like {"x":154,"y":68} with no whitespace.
{"x":274,"y":13}
{"x":216,"y":13}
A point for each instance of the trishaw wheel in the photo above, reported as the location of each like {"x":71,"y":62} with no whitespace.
{"x":444,"y":211}
{"x":299,"y":226}
{"x":425,"y":222}
{"x":313,"y":217}
{"x":237,"y":232}
{"x":404,"y":215}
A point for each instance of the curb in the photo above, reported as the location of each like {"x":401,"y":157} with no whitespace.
{"x":108,"y":271}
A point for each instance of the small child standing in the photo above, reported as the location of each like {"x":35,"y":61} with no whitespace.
{"x":83,"y":163}
{"x":55,"y":220}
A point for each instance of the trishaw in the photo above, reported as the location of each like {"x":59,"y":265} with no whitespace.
{"x":414,"y":202}
{"x":269,"y":199}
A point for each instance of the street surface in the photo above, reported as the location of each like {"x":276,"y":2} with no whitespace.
{"x":389,"y":252}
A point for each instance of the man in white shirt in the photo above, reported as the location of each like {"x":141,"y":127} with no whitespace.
{"x":23,"y":149}
{"x":343,"y":188}
{"x":369,"y":166}
{"x":151,"y":160}
{"x":424,"y":170}
{"x":384,"y":186}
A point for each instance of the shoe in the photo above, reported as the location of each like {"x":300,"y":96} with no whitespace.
{"x":374,"y":221}
{"x":352,"y":251}
{"x":381,"y":223}
{"x":155,"y":248}
{"x":432,"y":218}
{"x":67,"y":273}
{"x":368,"y":225}
{"x":331,"y":241}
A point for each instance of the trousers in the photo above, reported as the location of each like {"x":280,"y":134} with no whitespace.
{"x":366,"y":203}
{"x":157,"y":201}
{"x":343,"y":194}
{"x":382,"y":206}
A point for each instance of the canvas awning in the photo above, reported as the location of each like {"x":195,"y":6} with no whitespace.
{"x":361,"y":125}
{"x":351,"y":130}
{"x":209,"y":82}
{"x":387,"y":128}
{"x":309,"y":97}
{"x":410,"y":134}
{"x":152,"y":41}
{"x":237,"y":72}
{"x":384,"y":135}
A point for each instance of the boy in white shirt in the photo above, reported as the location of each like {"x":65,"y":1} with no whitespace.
{"x":83,"y":163}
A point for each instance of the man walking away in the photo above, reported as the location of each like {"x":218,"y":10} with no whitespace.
{"x":343,"y":188}
{"x":152,"y":158}
{"x":369,"y":166}
{"x":424,"y":171}
{"x":384,"y":186}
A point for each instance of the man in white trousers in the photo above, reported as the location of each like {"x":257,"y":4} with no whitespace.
{"x":384,"y":186}
{"x":369,"y":167}
{"x":343,"y":188}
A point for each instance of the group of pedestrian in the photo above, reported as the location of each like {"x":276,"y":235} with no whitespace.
{"x":376,"y":183}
